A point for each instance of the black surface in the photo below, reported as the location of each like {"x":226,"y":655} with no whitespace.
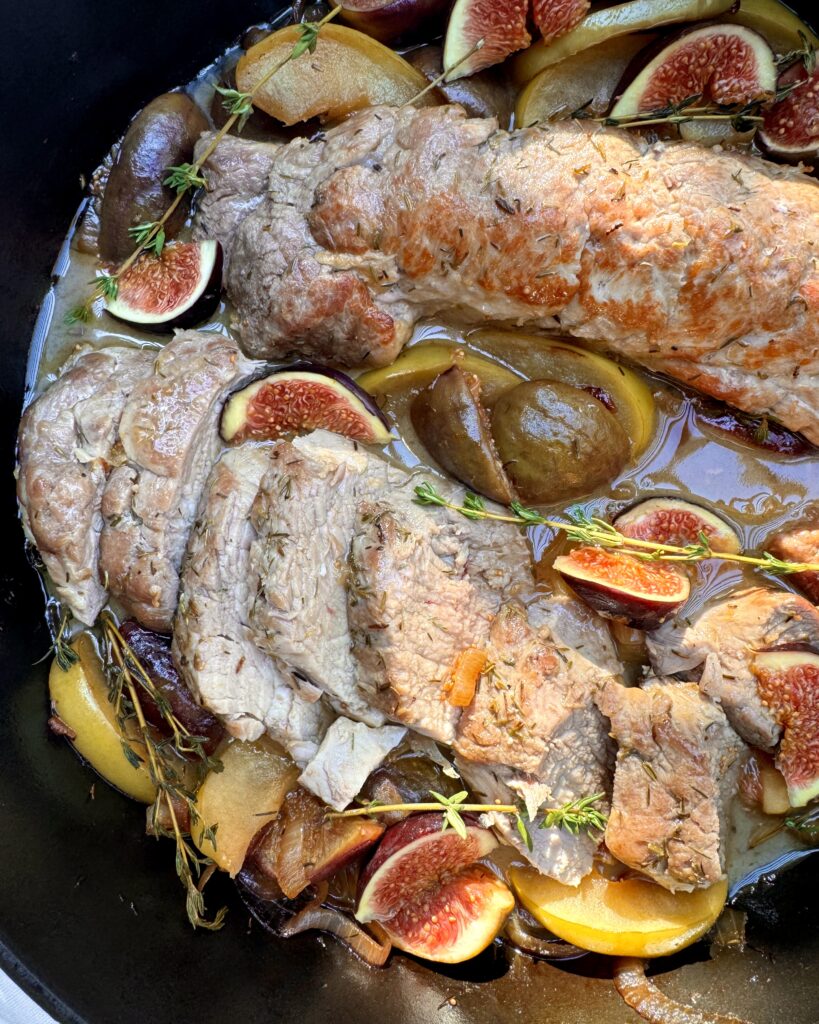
{"x":91,"y":915}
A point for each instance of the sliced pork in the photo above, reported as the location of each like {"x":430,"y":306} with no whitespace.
{"x":697,"y":263}
{"x":677,"y":768}
{"x":212,"y":642}
{"x":303,"y":517}
{"x":67,"y":446}
{"x":170,"y":439}
{"x":718,"y":648}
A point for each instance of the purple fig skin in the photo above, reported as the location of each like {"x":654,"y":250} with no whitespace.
{"x":363,"y":396}
{"x":638,"y":612}
{"x":388,"y":20}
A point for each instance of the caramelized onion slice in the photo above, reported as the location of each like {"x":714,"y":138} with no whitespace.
{"x":327,"y":919}
{"x":643,"y":996}
{"x":523,"y":936}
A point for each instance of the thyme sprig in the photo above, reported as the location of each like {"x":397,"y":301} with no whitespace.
{"x":742,"y":118}
{"x":574,"y":816}
{"x":168,"y":762}
{"x":806,"y":55}
{"x":58,"y":622}
{"x":185,"y":177}
{"x":435,"y":82}
{"x":584,"y":529}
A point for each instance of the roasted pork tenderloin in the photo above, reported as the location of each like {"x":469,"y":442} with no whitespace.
{"x":695,"y":263}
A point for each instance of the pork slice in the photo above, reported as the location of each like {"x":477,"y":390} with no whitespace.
{"x":170,"y":436}
{"x":213,"y":645}
{"x":237,"y":174}
{"x":677,"y":768}
{"x":66,"y":447}
{"x":349,"y":752}
{"x":718,"y":648}
{"x":303,"y":517}
{"x":412,"y":610}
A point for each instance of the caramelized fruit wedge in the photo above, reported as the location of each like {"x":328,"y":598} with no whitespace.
{"x":624,"y":588}
{"x":386,"y":20}
{"x":591,"y":75}
{"x":301,"y":398}
{"x":790,"y":130}
{"x":421,"y":364}
{"x":677,"y":522}
{"x":725,"y":64}
{"x":254,"y":780}
{"x":788,"y":683}
{"x":776,"y":22}
{"x":303,"y":846}
{"x":501,"y":24}
{"x":632,"y":917}
{"x":178,"y":289}
{"x":557,"y":17}
{"x":610,"y":22}
{"x":454,"y":428}
{"x":622,"y":391}
{"x":347,"y":72}
{"x":79,"y":697}
{"x":428,"y":894}
{"x":774,"y":789}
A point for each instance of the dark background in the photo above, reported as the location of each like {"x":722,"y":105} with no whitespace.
{"x":92,"y":921}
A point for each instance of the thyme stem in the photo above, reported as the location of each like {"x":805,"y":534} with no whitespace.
{"x":435,"y":82}
{"x":597,"y":532}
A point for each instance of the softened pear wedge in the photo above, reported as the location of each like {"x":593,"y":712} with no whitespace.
{"x":245,"y":795}
{"x":79,"y":696}
{"x":347,"y":71}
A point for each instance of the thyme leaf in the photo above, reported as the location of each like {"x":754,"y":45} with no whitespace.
{"x":183,"y":177}
{"x":164,"y":759}
{"x":150,"y":235}
{"x":577,"y":815}
{"x":585,"y":529}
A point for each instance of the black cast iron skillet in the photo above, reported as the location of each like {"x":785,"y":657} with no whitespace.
{"x":92,"y":922}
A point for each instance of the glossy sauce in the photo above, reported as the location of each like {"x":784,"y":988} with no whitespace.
{"x":756,"y":491}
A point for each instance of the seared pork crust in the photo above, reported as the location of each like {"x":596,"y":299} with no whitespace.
{"x":697,"y":263}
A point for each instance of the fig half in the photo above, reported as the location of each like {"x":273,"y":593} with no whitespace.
{"x":454,"y":428}
{"x":621,"y":587}
{"x":425,"y":889}
{"x":790,"y":130}
{"x":677,"y":522}
{"x":788,"y":682}
{"x":501,"y":24}
{"x":725,"y":64}
{"x":386,"y":20}
{"x":301,"y":398}
{"x":179,"y":288}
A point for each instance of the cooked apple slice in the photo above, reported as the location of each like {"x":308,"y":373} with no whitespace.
{"x":347,"y":71}
{"x":428,"y":894}
{"x":254,"y":780}
{"x":586,"y":80}
{"x":633,"y":917}
{"x":79,"y":696}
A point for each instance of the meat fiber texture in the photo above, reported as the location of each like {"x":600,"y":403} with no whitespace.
{"x":677,"y":769}
{"x":699,"y":263}
{"x":67,"y":445}
{"x":213,"y":644}
{"x":718,"y":647}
